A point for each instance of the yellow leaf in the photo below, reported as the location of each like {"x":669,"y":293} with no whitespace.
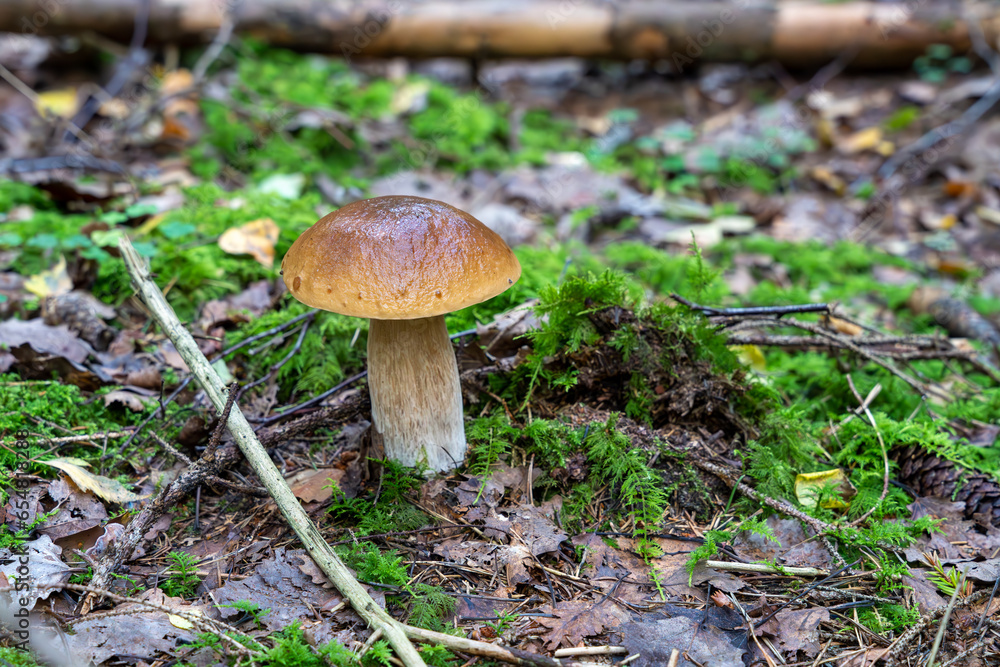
{"x":181,"y":622}
{"x":826,"y":176}
{"x":842,"y":326}
{"x":410,"y":97}
{"x":885,"y":148}
{"x":862,"y":140}
{"x":53,"y":282}
{"x":102,"y":487}
{"x":61,"y":102}
{"x":808,"y":487}
{"x":255,"y":238}
{"x":150,"y":225}
{"x":751,"y":355}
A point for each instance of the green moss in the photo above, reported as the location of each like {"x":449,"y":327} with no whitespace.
{"x":17,"y":658}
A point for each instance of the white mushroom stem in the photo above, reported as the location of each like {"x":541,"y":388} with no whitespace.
{"x":415,"y":391}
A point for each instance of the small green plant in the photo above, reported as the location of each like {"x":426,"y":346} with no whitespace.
{"x":426,"y":605}
{"x":938,"y":62}
{"x":883,"y":618}
{"x":615,"y":461}
{"x":182,"y":575}
{"x":292,"y":650}
{"x":700,"y":276}
{"x":251,"y":609}
{"x":389,"y":512}
{"x":902,"y":118}
{"x":503,"y":623}
{"x":712,"y":538}
{"x":947,"y":579}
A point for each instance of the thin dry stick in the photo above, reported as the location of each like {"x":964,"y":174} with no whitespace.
{"x":315,"y":545}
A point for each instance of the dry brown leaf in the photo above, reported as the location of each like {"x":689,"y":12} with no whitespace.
{"x":255,"y":238}
{"x":315,"y":485}
{"x":799,"y":629}
{"x":572,"y":621}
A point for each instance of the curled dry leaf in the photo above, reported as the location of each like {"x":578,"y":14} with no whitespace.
{"x":255,"y":238}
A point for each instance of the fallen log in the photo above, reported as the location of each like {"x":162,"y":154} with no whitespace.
{"x":799,"y":35}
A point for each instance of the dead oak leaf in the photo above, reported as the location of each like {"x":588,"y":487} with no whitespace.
{"x":255,"y":238}
{"x":572,"y":621}
{"x":799,"y":629}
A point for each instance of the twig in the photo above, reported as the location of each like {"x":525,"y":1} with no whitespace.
{"x":278,"y":365}
{"x":730,"y":478}
{"x":766,"y":569}
{"x":213,"y":443}
{"x":264,"y":421}
{"x":752,"y":311}
{"x":315,"y":545}
{"x":919,"y":626}
{"x":222,"y":38}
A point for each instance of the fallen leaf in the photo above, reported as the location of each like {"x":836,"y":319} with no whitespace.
{"x":43,"y":339}
{"x":654,"y":639}
{"x":798,"y":629}
{"x":76,"y":511}
{"x":863,"y":140}
{"x":52,"y":282}
{"x":44,"y":567}
{"x":843,"y":326}
{"x":809,"y":486}
{"x":255,"y":238}
{"x":291,"y":586}
{"x":825,"y":176}
{"x":61,"y":102}
{"x":136,"y":630}
{"x":572,"y":621}
{"x":181,"y":622}
{"x":103,"y":487}
{"x":315,"y":485}
{"x":133,"y":402}
{"x":751,"y":355}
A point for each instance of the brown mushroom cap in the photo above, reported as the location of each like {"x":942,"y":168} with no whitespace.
{"x":398,"y":258}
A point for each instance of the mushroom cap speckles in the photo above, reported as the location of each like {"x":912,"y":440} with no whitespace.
{"x":397,"y":258}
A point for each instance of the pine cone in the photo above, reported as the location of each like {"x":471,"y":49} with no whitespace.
{"x":931,"y":475}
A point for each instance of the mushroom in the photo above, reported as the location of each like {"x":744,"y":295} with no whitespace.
{"x":404,"y":262}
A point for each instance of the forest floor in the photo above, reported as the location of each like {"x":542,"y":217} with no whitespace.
{"x":648,"y":474}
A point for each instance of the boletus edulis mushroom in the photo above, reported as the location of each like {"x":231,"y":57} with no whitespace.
{"x":403,"y":263}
